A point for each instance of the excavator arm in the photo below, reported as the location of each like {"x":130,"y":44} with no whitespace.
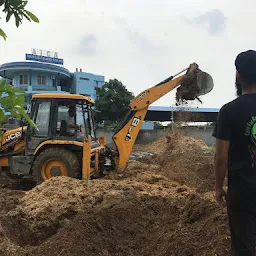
{"x":125,"y":137}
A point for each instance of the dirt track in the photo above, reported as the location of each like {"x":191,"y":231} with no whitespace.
{"x":161,"y":205}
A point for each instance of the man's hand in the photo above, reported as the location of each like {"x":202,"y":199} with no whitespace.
{"x":220,"y":169}
{"x":220,"y":195}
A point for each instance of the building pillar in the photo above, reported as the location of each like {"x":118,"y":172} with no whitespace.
{"x":172,"y":120}
{"x":58,"y":83}
{"x":58,"y":80}
{"x":30,"y":78}
{"x":30,"y":81}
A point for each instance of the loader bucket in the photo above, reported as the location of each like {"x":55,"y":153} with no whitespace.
{"x":193,"y":85}
{"x":204,"y":82}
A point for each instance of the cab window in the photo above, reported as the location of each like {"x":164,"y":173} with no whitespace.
{"x":42,"y":119}
{"x":73,"y":120}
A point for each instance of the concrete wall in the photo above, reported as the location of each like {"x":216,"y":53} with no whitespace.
{"x":198,"y":133}
{"x":147,"y":125}
{"x":145,"y":137}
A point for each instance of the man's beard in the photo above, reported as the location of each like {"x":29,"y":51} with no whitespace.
{"x":238,"y":87}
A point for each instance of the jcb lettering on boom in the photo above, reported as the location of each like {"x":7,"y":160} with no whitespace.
{"x":135,"y":122}
{"x":13,"y":136}
{"x":141,"y":97}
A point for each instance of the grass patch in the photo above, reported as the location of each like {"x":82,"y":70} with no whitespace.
{"x":212,"y":148}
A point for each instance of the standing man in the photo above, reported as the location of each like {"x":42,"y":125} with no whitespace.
{"x":235,"y":134}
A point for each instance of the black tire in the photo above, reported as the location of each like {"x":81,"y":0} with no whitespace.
{"x":66,"y":157}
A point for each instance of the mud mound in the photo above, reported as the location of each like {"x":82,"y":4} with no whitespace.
{"x":173,"y":141}
{"x":188,"y":161}
{"x":8,"y":201}
{"x":202,"y":229}
{"x":7,"y":248}
{"x":139,"y":171}
{"x":117,"y":218}
{"x":176,"y":158}
{"x":43,"y":210}
{"x":160,"y":205}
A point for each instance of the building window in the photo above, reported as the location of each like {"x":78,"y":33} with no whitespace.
{"x":41,"y":80}
{"x":84,"y":78}
{"x":23,"y":79}
{"x":54,"y":83}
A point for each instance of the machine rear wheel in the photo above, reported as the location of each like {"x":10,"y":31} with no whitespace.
{"x":54,"y":162}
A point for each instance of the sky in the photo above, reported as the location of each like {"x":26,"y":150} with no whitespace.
{"x":140,"y":42}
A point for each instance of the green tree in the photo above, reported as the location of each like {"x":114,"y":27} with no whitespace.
{"x":12,"y":102}
{"x":112,"y":101}
{"x":15,"y":9}
{"x":12,"y":99}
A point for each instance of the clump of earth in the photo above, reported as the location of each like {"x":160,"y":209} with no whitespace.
{"x":189,"y":89}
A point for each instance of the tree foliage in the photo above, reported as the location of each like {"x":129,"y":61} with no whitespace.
{"x":12,"y":102}
{"x":12,"y":99}
{"x":112,"y":103}
{"x":15,"y":9}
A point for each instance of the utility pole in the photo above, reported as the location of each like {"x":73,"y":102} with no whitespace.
{"x":172,"y":120}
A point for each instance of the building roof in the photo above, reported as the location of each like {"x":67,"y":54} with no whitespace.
{"x":62,"y":96}
{"x":8,"y":70}
{"x":183,"y":109}
{"x":158,"y":113}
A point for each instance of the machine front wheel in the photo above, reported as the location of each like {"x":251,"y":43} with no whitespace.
{"x":54,"y":162}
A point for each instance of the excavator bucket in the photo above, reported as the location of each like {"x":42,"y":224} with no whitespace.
{"x":204,"y":82}
{"x":193,"y":85}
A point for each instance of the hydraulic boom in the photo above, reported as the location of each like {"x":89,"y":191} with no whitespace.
{"x":126,"y":135}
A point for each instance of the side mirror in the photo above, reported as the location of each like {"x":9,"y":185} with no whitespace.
{"x":3,"y":130}
{"x":23,"y":122}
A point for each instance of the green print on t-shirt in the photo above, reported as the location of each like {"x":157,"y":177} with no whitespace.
{"x":251,"y":129}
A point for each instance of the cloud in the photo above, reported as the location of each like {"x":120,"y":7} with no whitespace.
{"x":88,"y":45}
{"x":214,"y":21}
{"x":144,"y":43}
{"x":140,"y":40}
{"x":134,"y":35}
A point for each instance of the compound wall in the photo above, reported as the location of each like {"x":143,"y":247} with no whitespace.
{"x":145,"y":137}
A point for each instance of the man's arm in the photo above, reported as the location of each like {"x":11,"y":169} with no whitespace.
{"x":220,"y":168}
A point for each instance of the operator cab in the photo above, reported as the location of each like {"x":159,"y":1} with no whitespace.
{"x":65,"y":117}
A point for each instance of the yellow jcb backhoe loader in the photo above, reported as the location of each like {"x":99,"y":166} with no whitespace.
{"x":64,"y":142}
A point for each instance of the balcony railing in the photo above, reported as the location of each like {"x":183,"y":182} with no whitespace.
{"x":43,"y":88}
{"x":23,"y":87}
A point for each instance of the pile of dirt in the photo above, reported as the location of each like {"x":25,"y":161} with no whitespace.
{"x":160,"y":205}
{"x":70,"y":217}
{"x":188,"y":161}
{"x":180,"y":159}
{"x":8,"y":201}
{"x":175,"y":141}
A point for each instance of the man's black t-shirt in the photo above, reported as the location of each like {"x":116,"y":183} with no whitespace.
{"x":236,"y":123}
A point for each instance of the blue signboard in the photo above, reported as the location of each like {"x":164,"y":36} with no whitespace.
{"x":46,"y":59}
